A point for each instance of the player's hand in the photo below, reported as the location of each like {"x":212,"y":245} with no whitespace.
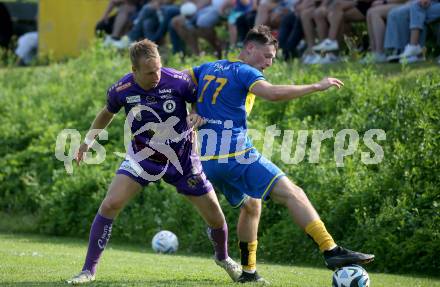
{"x":194,"y":120}
{"x":83,"y":148}
{"x":326,"y":83}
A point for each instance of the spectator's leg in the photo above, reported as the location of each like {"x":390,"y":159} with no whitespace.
{"x":263,"y":12}
{"x":206,"y":21}
{"x":232,"y":29}
{"x":308,"y":29}
{"x":341,"y":10}
{"x":176,"y":41}
{"x":137,"y":31}
{"x":286,"y":27}
{"x":433,"y":12}
{"x":320,"y":18}
{"x":122,"y":20}
{"x":295,"y":36}
{"x":376,"y":20}
{"x":105,"y":26}
{"x":188,"y":35}
{"x":244,"y":24}
{"x":417,"y":18}
{"x":397,"y":29}
{"x":169,"y":12}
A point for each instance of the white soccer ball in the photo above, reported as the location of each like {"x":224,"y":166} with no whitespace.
{"x":165,"y":242}
{"x":188,"y":9}
{"x":351,"y":276}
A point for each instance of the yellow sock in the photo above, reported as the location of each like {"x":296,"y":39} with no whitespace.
{"x":316,"y":229}
{"x":248,"y":255}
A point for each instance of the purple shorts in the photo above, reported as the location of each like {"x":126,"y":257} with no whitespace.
{"x":192,"y":181}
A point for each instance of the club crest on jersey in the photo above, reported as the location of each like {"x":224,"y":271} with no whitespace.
{"x":169,"y":106}
{"x":133,"y":99}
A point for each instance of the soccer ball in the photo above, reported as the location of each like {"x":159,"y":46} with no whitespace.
{"x":351,"y":276}
{"x":188,"y":9}
{"x":165,"y":242}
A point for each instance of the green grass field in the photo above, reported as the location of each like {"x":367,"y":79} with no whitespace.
{"x":33,"y":260}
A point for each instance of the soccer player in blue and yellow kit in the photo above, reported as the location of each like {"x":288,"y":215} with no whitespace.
{"x":226,"y":92}
{"x":149,"y":95}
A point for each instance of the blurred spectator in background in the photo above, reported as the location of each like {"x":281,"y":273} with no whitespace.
{"x":119,"y":24}
{"x":233,"y":9}
{"x":341,"y":12}
{"x":153,"y":21}
{"x":409,"y":21}
{"x":311,"y":12}
{"x":376,"y":23}
{"x":245,"y":22}
{"x":200,"y":24}
{"x":291,"y":33}
{"x":26,"y":48}
{"x":5,"y":26}
{"x":270,"y":12}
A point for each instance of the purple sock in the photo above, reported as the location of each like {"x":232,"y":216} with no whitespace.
{"x":99,"y":235}
{"x":219,"y":238}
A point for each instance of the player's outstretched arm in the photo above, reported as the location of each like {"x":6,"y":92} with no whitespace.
{"x":102,"y":119}
{"x":271,"y":92}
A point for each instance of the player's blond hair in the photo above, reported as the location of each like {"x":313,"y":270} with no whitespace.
{"x":145,"y":49}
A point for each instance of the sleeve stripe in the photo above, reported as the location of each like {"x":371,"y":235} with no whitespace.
{"x":193,"y":77}
{"x":253,"y":84}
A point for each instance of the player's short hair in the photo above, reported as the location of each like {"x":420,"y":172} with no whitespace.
{"x":262,"y":35}
{"x":143,"y":49}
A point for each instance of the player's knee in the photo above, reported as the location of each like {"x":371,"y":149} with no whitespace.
{"x":111,"y":205}
{"x":252,"y":207}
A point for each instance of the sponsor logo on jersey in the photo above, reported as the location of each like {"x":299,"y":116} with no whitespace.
{"x":165,"y":91}
{"x":123,"y":87}
{"x":169,"y":106}
{"x":151,"y":100}
{"x":133,"y":99}
{"x":167,"y":96}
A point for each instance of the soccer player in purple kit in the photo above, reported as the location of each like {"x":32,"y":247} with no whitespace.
{"x":150,"y":94}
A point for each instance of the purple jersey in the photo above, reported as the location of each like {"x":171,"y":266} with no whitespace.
{"x":156,"y":105}
{"x":159,"y":122}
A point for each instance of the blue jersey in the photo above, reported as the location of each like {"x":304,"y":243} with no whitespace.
{"x":223,"y":98}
